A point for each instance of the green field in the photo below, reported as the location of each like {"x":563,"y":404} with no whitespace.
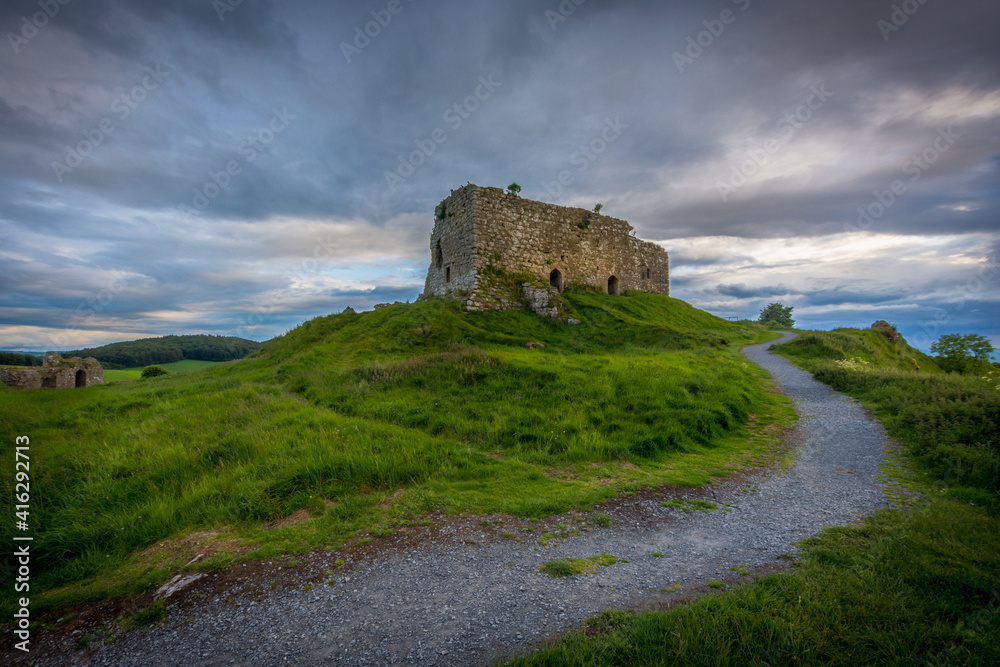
{"x":913,"y":586}
{"x":368,"y":420}
{"x":183,"y":366}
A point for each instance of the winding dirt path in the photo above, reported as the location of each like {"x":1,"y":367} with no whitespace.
{"x":465,"y":595}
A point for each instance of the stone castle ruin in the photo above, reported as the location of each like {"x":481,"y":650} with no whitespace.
{"x":55,"y":373}
{"x":481,"y":229}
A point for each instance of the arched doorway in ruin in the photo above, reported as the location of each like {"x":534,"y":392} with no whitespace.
{"x":556,"y":279}
{"x":81,"y":379}
{"x":613,"y":286}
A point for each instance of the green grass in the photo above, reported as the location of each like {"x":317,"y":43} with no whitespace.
{"x":570,"y":567}
{"x":154,"y":613}
{"x":912,"y":586}
{"x":705,"y":506}
{"x":362,"y":420}
{"x":119,"y":376}
{"x":601,"y":519}
{"x":183,"y":366}
{"x":814,"y":348}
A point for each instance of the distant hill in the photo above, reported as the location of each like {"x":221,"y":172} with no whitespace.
{"x":168,"y":349}
{"x":19,"y":359}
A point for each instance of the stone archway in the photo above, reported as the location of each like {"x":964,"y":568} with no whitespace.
{"x":556,"y":280}
{"x":613,"y":286}
{"x":81,"y":379}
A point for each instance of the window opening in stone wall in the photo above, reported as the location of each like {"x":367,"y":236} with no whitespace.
{"x":49,"y":382}
{"x":447,"y":274}
{"x":556,"y":280}
{"x":613,"y":286}
{"x":81,"y":379}
{"x":438,"y":255}
{"x":649,"y":273}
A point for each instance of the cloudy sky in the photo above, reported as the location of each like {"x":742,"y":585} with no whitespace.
{"x":237,"y":167}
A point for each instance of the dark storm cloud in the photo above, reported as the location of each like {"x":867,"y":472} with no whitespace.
{"x":158,"y":197}
{"x":105,"y":25}
{"x":396,"y":91}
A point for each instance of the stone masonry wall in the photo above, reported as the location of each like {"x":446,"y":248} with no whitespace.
{"x":486,"y":226}
{"x":452,"y":267}
{"x":55,"y":373}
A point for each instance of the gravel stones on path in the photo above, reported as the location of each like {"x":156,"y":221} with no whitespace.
{"x":466,"y":594}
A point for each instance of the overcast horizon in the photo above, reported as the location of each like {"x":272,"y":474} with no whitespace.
{"x":238,"y":168}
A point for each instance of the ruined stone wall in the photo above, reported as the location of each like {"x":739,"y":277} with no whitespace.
{"x":452,"y":265}
{"x":56,"y":373}
{"x":520,"y":235}
{"x":28,"y":378}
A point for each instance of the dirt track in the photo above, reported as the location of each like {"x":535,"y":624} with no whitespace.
{"x":459,"y":593}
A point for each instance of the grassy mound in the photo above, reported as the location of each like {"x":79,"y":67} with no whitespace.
{"x":596,"y":392}
{"x":360,"y":422}
{"x":812,"y":348}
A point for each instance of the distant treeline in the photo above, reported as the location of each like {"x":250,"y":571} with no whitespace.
{"x":168,"y":349}
{"x":18,"y":359}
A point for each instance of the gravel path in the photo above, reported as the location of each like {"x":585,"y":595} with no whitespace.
{"x":464,"y":594}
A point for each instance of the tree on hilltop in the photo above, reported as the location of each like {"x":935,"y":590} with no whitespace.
{"x":777,"y":315}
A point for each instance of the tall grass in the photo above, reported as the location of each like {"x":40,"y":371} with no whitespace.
{"x":125,"y":469}
{"x":472,"y":378}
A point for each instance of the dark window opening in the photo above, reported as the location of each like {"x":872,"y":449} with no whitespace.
{"x":613,"y":286}
{"x":49,"y":382}
{"x":438,"y":255}
{"x":556,"y":279}
{"x":649,"y":274}
{"x":447,"y":274}
{"x":81,"y":379}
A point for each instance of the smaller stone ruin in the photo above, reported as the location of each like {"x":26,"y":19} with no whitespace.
{"x":55,"y":373}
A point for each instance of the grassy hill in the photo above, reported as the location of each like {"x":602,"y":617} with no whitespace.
{"x":919,"y":585}
{"x":811,"y":349}
{"x":168,"y":349}
{"x":366,"y":421}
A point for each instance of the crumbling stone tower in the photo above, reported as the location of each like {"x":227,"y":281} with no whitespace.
{"x":477,"y":228}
